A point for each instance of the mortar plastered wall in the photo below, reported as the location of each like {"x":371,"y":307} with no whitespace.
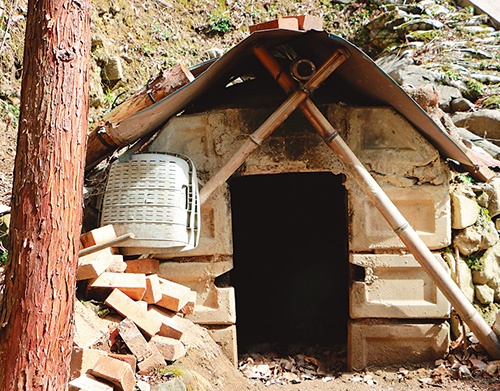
{"x":407,"y":167}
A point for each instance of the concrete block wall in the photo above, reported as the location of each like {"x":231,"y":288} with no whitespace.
{"x":395,"y":286}
{"x":374,"y":342}
{"x":399,"y":299}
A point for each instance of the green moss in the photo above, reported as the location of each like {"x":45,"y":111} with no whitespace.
{"x":475,"y":86}
{"x":492,"y":102}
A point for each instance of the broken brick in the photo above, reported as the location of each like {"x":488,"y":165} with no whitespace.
{"x":171,"y":349}
{"x":114,"y":371}
{"x":89,"y":383}
{"x":129,"y":308}
{"x":154,"y":361}
{"x":174,"y":296}
{"x":134,"y":339}
{"x":82,"y":360}
{"x":145,"y":266}
{"x":133,"y":285}
{"x":169,"y":325}
{"x":153,"y":290}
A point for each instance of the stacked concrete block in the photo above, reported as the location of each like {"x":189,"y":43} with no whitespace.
{"x":408,"y":168}
{"x":374,"y":342}
{"x":395,"y":286}
{"x":215,"y":306}
{"x":427,"y":209}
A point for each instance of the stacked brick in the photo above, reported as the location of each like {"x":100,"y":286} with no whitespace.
{"x":152,"y":309}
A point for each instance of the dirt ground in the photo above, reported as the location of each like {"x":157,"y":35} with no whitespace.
{"x":8,"y":134}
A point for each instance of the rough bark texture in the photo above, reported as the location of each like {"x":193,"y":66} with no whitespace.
{"x":36,"y":329}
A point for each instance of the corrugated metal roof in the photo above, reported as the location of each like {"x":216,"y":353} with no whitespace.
{"x":358,"y":72}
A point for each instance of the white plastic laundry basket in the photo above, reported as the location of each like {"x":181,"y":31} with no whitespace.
{"x":155,"y":197}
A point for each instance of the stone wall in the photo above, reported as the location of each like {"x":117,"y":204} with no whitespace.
{"x":407,"y":167}
{"x":474,"y":255}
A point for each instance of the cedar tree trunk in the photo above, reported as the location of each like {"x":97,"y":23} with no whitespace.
{"x":36,"y":319}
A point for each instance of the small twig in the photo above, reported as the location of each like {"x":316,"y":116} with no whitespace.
{"x":7,"y":27}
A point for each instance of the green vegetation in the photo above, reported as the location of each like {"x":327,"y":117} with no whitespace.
{"x":475,"y":261}
{"x":219,"y":24}
{"x":3,"y":257}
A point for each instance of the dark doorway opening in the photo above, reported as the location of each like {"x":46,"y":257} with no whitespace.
{"x":291,"y":268}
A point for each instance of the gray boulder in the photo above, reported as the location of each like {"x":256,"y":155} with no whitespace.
{"x":481,"y":122}
{"x":477,"y":237}
{"x":490,"y":274}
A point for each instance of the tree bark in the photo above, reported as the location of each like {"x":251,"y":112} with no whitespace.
{"x":36,"y":320}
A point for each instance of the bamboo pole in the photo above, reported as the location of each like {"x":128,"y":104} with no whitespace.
{"x":271,"y":124}
{"x":398,"y":223}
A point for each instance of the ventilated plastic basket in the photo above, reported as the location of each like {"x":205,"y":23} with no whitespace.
{"x":155,"y":197}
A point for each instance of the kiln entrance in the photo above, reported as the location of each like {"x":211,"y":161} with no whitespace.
{"x":291,"y":269}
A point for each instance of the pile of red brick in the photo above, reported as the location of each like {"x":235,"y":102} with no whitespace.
{"x":152,"y":308}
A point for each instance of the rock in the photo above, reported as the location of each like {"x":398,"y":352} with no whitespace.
{"x":490,"y":273}
{"x":480,"y":122}
{"x":413,"y":75}
{"x":214,"y":53}
{"x":485,"y":294}
{"x":462,"y":276}
{"x":394,"y":62}
{"x":175,"y":384}
{"x":112,"y":70}
{"x":496,"y":325}
{"x":446,"y":95}
{"x":460,"y":104}
{"x":456,"y":326}
{"x":485,"y":78}
{"x":464,"y":211}
{"x":477,"y":237}
{"x":96,"y":93}
{"x":89,"y":328}
{"x":466,"y":284}
{"x":492,"y":190}
{"x":142,"y":385}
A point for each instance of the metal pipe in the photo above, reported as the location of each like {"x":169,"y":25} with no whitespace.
{"x":398,"y":223}
{"x":106,"y":244}
{"x":271,"y":124}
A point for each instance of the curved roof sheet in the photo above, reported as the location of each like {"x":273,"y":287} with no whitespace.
{"x":358,"y":72}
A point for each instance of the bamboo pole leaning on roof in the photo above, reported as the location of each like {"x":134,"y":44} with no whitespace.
{"x":398,"y":223}
{"x":271,"y":124}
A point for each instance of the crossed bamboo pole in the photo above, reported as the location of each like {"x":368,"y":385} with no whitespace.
{"x":300,"y":98}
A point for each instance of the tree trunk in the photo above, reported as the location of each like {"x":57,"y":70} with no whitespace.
{"x":36,"y":320}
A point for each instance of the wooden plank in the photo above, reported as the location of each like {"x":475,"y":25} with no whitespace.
{"x":171,"y":349}
{"x":308,"y":22}
{"x":129,"y":308}
{"x":133,"y":285}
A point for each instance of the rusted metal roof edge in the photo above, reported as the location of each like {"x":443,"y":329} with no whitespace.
{"x":359,"y":70}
